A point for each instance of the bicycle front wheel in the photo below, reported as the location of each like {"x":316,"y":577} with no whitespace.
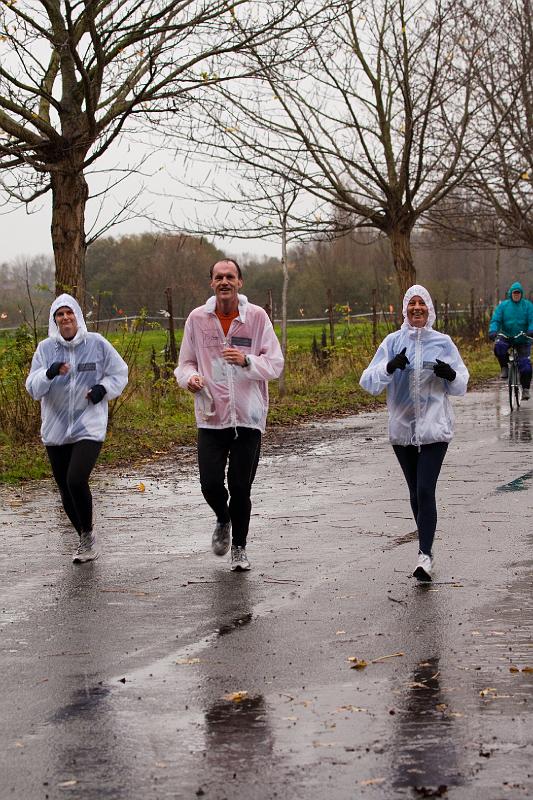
{"x":514,"y":386}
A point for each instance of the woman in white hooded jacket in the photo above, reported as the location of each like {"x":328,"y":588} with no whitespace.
{"x":419,"y":368}
{"x":73,"y":374}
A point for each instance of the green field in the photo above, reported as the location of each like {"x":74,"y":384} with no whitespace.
{"x":154,"y":414}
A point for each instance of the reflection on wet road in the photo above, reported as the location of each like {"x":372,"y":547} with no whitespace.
{"x":156,"y":672}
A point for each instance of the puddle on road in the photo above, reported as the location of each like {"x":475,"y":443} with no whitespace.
{"x":518,"y":485}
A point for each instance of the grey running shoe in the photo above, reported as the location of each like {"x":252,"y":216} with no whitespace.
{"x":87,"y":550}
{"x":424,"y":568}
{"x":504,"y":373}
{"x":239,"y":559}
{"x":221,"y":538}
{"x":525,"y":394}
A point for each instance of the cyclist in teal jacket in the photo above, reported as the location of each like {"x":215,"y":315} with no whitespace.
{"x":511,"y":317}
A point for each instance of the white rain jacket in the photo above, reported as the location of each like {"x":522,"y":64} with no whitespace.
{"x":232,"y":395}
{"x":67,"y":415}
{"x":417,"y":400}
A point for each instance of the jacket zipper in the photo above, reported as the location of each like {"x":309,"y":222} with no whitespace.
{"x":418,"y":350}
{"x":72,"y":387}
{"x":229,"y":373}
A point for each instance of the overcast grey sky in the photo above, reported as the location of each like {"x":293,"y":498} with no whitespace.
{"x":25,"y":234}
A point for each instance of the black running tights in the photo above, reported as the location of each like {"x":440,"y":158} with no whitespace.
{"x":216,"y":449}
{"x":421,"y":471}
{"x":72,"y":465}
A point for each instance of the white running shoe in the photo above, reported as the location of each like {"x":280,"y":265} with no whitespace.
{"x":221,"y":538}
{"x":239,"y":559}
{"x":424,"y":567}
{"x":87,"y":550}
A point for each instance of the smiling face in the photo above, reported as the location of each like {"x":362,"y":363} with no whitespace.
{"x":226,"y":283}
{"x":417,"y":312}
{"x":65,"y":320}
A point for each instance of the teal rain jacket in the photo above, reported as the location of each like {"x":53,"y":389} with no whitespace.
{"x":417,"y":400}
{"x":510,"y":317}
{"x":67,"y":415}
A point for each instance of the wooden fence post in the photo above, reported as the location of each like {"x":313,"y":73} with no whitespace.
{"x":268,"y":306}
{"x":331,"y":320}
{"x":374,"y":319}
{"x":171,"y":333}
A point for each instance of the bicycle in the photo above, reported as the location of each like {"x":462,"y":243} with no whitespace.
{"x":513,"y":376}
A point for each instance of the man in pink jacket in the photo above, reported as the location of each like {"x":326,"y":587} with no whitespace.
{"x":228,"y":354}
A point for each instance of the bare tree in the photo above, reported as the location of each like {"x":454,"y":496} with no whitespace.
{"x":502,"y":183}
{"x":382,"y":105}
{"x":75,"y":73}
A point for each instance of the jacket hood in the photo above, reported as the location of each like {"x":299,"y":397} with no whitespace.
{"x":426,"y":297}
{"x":70,"y":302}
{"x":516,"y":286}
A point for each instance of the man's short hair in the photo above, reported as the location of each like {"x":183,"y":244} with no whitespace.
{"x":221,"y":261}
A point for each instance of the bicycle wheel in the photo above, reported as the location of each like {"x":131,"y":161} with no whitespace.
{"x":514,"y":387}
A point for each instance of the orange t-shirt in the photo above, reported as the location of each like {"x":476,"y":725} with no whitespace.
{"x":226,"y":319}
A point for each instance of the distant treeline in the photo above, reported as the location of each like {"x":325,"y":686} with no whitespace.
{"x":132,"y":272}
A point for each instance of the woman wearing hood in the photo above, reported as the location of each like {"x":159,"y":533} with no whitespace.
{"x":74,"y":374}
{"x":419,"y":368}
{"x":513,"y":317}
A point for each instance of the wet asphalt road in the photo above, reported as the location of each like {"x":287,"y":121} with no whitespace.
{"x":119,"y":677}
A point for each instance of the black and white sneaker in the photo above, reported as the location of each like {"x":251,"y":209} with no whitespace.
{"x":221,"y":538}
{"x":424,"y":568}
{"x":239,"y":559}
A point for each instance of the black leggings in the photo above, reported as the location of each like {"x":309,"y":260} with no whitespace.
{"x":216,"y":448}
{"x":72,"y":465}
{"x":421,"y":471}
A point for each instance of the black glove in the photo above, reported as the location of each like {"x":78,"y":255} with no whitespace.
{"x":53,"y":370}
{"x":96,"y":393}
{"x":492,"y":335}
{"x":443,"y":370}
{"x":400,"y":361}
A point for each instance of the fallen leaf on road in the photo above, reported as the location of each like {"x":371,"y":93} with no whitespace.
{"x":372,"y":781}
{"x":19,"y":744}
{"x":357,"y":663}
{"x":187,"y":661}
{"x":512,"y":668}
{"x":490,"y":690}
{"x":441,"y":707}
{"x":141,"y":487}
{"x":339,"y":633}
{"x":236,"y":697}
{"x":65,"y":784}
{"x":350,"y":708}
{"x":527,"y":669}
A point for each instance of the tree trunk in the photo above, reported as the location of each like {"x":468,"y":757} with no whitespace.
{"x":400,"y":242}
{"x":69,"y":197}
{"x":285,"y":267}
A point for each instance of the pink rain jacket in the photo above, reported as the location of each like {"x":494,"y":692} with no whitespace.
{"x":232,"y":395}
